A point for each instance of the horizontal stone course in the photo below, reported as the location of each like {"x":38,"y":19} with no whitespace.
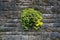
{"x":46,"y":27}
{"x":31,"y":35}
{"x":5,"y":29}
{"x":51,"y":20}
{"x":16,"y":14}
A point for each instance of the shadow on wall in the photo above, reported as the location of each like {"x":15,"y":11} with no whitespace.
{"x":56,"y":10}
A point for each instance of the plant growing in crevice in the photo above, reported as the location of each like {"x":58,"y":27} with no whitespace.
{"x":31,"y":18}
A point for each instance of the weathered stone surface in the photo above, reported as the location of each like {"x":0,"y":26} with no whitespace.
{"x":55,"y":36}
{"x":37,"y":36}
{"x":15,"y":37}
{"x":10,"y":20}
{"x":51,"y":21}
{"x":56,"y":9}
{"x":51,"y":16}
{"x":46,"y":2}
{"x":9,"y":14}
{"x":5,"y":6}
{"x":4,"y":29}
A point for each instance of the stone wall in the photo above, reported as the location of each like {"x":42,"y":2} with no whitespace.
{"x":10,"y":20}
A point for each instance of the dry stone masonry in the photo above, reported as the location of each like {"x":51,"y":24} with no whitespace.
{"x":10,"y":26}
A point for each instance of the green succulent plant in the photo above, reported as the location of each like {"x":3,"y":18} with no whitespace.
{"x":31,"y":18}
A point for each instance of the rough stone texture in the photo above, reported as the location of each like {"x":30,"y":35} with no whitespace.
{"x":31,"y":36}
{"x":15,"y":37}
{"x":10,"y":20}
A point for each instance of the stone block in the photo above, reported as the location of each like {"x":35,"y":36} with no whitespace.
{"x":15,"y":37}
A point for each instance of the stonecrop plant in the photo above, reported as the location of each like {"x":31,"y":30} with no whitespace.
{"x":31,"y":18}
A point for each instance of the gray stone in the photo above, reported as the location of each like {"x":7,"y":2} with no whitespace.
{"x":15,"y":37}
{"x":7,"y":28}
{"x":55,"y":36}
{"x":7,"y":6}
{"x":56,"y":9}
{"x":51,"y":16}
{"x":51,"y":21}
